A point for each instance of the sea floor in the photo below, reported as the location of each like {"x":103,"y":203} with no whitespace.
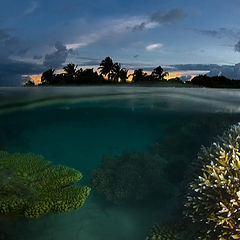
{"x":92,"y":222}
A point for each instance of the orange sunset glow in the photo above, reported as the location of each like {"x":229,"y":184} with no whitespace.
{"x":36,"y":78}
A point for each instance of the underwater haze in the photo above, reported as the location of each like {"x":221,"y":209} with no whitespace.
{"x":152,"y":133}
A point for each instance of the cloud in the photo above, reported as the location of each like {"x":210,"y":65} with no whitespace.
{"x":170,"y":16}
{"x":139,"y":27}
{"x":11,"y":71}
{"x":186,"y":67}
{"x":58,"y":57}
{"x":160,"y":18}
{"x":114,"y":27}
{"x":76,"y":45}
{"x":110,"y":29}
{"x":154,"y":46}
{"x":33,"y":5}
{"x":211,"y":33}
{"x":19,"y":58}
{"x":220,"y":33}
{"x":237,"y":46}
{"x":229,"y":71}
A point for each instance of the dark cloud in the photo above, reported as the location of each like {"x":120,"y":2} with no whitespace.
{"x":200,"y":67}
{"x":237,"y":46}
{"x":220,"y":33}
{"x":139,"y":27}
{"x":57,"y":58}
{"x":211,"y":33}
{"x":13,"y":48}
{"x":161,"y":17}
{"x":11,"y":71}
{"x":170,"y":16}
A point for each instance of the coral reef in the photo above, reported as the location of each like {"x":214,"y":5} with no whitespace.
{"x":213,"y":198}
{"x":30,"y":187}
{"x":180,"y":141}
{"x":167,"y":231}
{"x":129,"y":177}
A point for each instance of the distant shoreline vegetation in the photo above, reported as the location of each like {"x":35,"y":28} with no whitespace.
{"x":112,"y":73}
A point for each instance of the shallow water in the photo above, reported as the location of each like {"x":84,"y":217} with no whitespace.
{"x":76,"y":127}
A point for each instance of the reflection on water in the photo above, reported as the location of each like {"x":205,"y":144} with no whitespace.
{"x":134,"y":147}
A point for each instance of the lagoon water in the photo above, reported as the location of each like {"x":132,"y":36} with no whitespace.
{"x":76,"y":127}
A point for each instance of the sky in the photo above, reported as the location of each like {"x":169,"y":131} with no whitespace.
{"x":36,"y":35}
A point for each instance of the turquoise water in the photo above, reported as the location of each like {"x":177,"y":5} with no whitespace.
{"x":77,"y":128}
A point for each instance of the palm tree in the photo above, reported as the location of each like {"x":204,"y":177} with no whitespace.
{"x":139,"y":75}
{"x":158,"y":73}
{"x":123,"y":75}
{"x":115,"y":72}
{"x":48,"y":77}
{"x":71,"y":72}
{"x":70,"y":69}
{"x":106,"y":66}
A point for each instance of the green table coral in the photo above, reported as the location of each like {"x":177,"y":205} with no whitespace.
{"x":213,"y":199}
{"x":32,"y":188}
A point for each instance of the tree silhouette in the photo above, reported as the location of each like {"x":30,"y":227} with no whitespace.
{"x":70,"y":71}
{"x":48,"y":77}
{"x":115,"y":72}
{"x":123,"y":75}
{"x":106,"y":67}
{"x":88,"y":76}
{"x":139,"y":75}
{"x":158,"y":74}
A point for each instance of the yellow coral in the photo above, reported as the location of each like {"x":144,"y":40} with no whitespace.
{"x":213,"y":200}
{"x":30,"y":187}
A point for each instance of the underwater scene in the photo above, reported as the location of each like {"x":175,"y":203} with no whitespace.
{"x":126,"y":163}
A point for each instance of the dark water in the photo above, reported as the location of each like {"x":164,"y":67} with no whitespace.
{"x":168,"y":125}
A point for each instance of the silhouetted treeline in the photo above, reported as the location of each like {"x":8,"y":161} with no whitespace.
{"x":113,"y":73}
{"x":108,"y":73}
{"x":214,"y":82}
{"x":71,"y":76}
